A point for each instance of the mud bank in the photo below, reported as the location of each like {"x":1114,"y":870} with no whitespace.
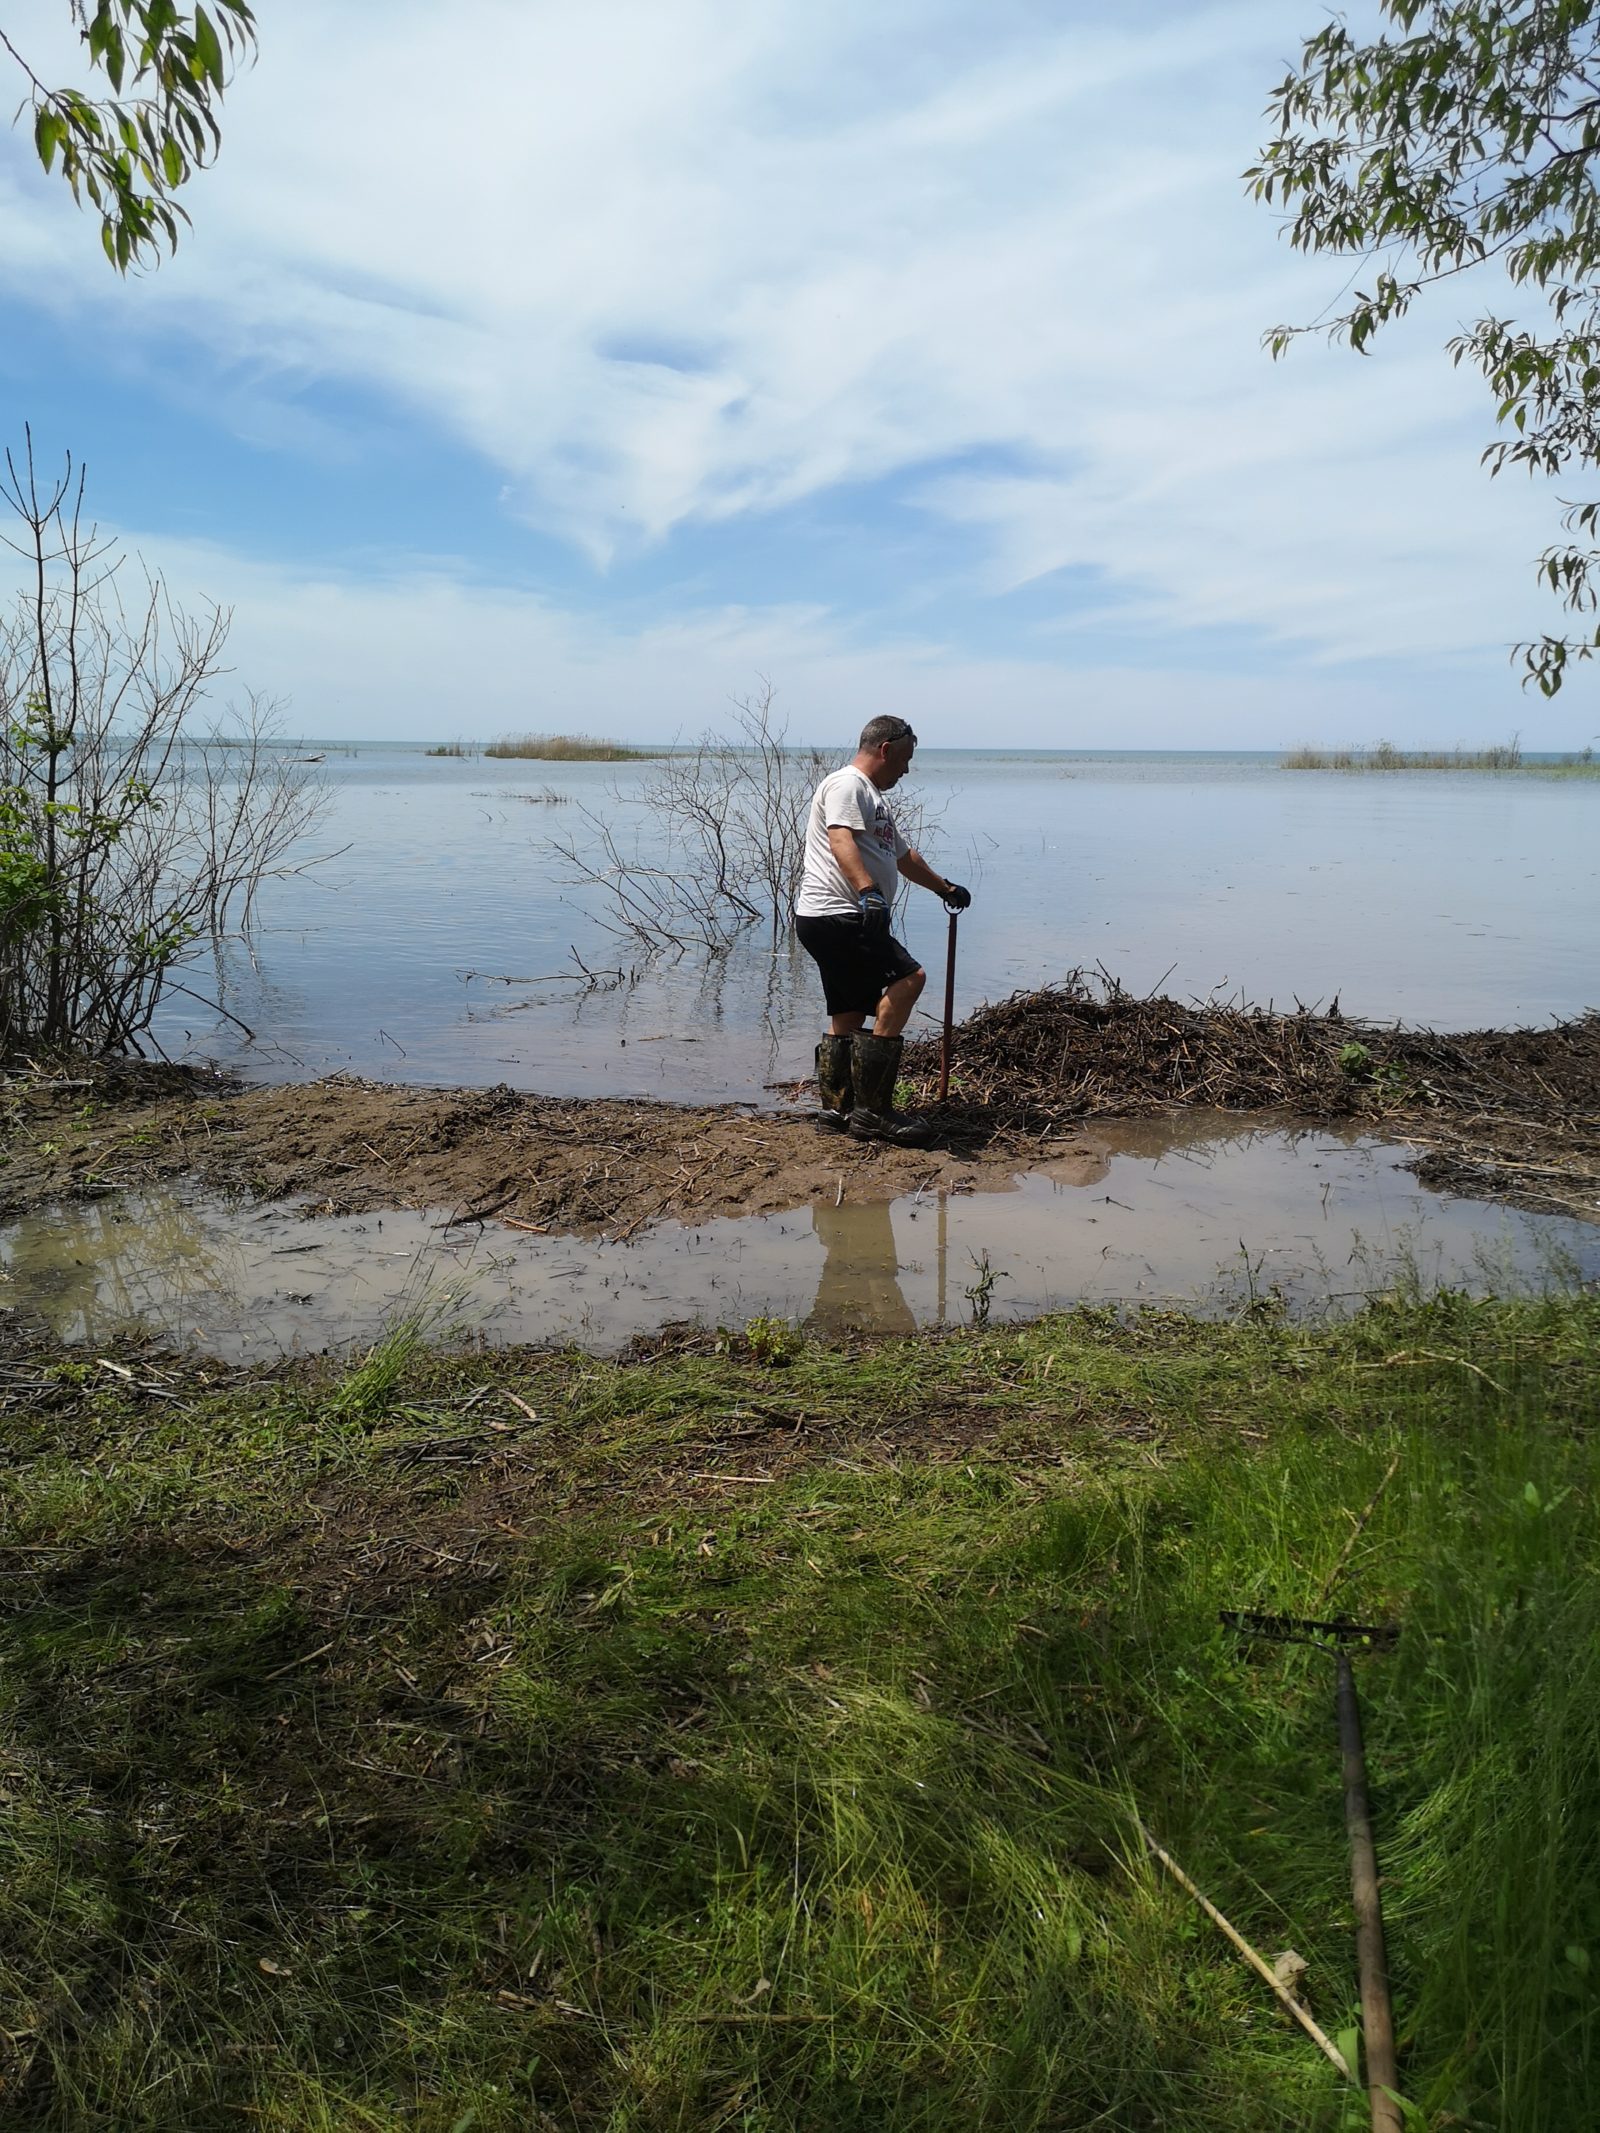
{"x":1501,"y":1115}
{"x":346,"y":1147}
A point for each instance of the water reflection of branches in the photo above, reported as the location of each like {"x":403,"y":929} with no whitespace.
{"x":586,"y":979}
{"x":721,"y":842}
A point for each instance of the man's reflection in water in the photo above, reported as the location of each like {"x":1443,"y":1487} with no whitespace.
{"x":858,"y":1290}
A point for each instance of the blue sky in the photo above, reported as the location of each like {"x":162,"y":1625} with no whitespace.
{"x":532,"y":366}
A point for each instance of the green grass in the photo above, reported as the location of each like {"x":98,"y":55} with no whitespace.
{"x":381,"y":1751}
{"x":1507,"y":755}
{"x":564,"y":748}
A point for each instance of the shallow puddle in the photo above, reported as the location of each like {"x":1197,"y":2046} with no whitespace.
{"x":1199,"y":1213}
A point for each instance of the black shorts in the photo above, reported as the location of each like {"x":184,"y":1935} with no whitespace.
{"x":856,"y":971}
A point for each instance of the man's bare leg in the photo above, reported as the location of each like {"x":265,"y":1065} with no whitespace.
{"x":892,"y":1013}
{"x":894,"y":1009}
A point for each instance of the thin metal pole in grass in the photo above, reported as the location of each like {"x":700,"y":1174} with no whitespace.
{"x":949,"y":1007}
{"x":1372,"y":1965}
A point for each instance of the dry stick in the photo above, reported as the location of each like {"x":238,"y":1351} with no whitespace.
{"x":216,"y":1006}
{"x":1372,"y":1965}
{"x":479,"y":1214}
{"x":305,"y":1659}
{"x":1231,"y":1933}
{"x":1355,"y":1534}
{"x":647,"y":1213}
{"x":1432,"y":1355}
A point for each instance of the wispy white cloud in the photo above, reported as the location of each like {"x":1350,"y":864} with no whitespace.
{"x":689,"y":264}
{"x":431,"y":654}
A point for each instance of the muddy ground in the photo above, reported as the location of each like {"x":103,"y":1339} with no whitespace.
{"x":1507,"y":1115}
{"x":539,"y":1163}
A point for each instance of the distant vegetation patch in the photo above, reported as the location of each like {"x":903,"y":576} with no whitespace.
{"x":461,"y":749}
{"x":565,"y":748}
{"x":1384,"y":755}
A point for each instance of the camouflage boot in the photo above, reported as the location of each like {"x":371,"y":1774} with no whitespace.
{"x":875,"y":1067}
{"x":834,"y":1086}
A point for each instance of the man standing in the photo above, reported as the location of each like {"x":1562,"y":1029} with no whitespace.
{"x":854,"y":854}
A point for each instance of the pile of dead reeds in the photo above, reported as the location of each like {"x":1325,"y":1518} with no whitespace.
{"x":1078,"y":1049}
{"x":1086,"y":1047}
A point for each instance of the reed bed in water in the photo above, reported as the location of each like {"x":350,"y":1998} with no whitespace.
{"x":564,"y":748}
{"x":1507,"y":755}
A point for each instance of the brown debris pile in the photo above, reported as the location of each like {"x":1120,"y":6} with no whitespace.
{"x":1512,"y":1113}
{"x":1074,"y":1050}
{"x":1082,"y":1048}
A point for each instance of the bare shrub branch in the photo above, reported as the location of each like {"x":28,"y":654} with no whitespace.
{"x":126,"y":836}
{"x":722,"y":841}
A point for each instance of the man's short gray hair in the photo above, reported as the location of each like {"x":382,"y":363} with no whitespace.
{"x":883,"y":732}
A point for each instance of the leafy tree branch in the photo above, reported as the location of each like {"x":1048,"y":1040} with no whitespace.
{"x":131,"y":152}
{"x":1469,"y":137}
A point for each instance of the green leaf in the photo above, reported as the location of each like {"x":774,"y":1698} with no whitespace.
{"x":49,"y":131}
{"x":1415,"y":2118}
{"x":208,"y":47}
{"x":172,"y":161}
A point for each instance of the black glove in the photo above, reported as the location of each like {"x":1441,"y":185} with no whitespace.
{"x":874,"y":909}
{"x":957,"y":898}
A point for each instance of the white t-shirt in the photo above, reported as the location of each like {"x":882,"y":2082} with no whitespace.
{"x":847,"y":799}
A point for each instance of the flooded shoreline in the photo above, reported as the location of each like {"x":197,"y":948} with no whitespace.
{"x":1095,"y":1147}
{"x":1511,"y":1116}
{"x":1199,"y":1213}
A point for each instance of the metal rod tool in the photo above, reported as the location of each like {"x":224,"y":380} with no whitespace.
{"x":949,"y":1007}
{"x":1377,"y":2011}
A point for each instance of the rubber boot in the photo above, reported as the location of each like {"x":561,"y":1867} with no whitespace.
{"x":875,"y":1067}
{"x":834,"y":1085}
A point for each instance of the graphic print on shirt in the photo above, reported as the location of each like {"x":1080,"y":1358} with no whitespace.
{"x":847,"y":800}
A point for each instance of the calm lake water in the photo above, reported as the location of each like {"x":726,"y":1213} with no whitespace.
{"x":1458,"y":900}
